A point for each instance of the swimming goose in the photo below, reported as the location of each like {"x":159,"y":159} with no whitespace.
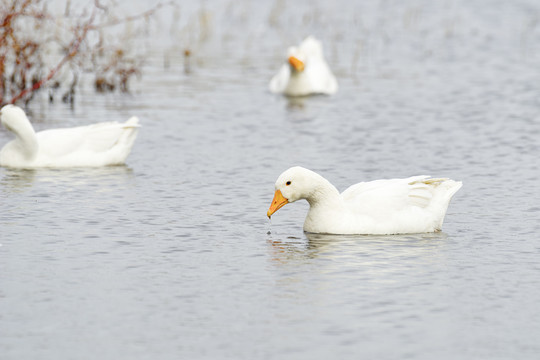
{"x":396,"y":206}
{"x":101,"y":144}
{"x":305,"y":72}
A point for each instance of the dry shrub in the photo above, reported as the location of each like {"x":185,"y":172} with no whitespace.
{"x":39,"y":49}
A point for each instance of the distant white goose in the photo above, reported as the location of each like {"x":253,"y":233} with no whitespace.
{"x":396,"y":206}
{"x":305,"y":72}
{"x":102,"y":144}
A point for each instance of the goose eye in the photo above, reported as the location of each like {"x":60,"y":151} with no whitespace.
{"x":288,"y":183}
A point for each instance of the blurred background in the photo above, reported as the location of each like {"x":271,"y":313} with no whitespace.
{"x":172,"y":256}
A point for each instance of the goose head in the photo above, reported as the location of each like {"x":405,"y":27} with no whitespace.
{"x":296,"y":60}
{"x":14,"y":119}
{"x":295,"y":184}
{"x":298,"y":57}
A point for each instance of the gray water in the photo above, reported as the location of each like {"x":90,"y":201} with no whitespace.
{"x":172,"y":256}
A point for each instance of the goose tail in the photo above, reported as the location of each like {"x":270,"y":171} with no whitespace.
{"x":448,"y":189}
{"x":133,"y":122}
{"x":127,"y":138}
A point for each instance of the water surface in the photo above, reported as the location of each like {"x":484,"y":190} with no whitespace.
{"x":172,"y":256}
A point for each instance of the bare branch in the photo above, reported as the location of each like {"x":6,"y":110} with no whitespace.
{"x":73,"y":51}
{"x":28,"y":34}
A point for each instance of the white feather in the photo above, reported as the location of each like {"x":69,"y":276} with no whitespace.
{"x":416,"y":204}
{"x":316,"y":78}
{"x":101,"y":144}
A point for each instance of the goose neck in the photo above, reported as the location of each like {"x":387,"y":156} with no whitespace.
{"x":28,"y":140}
{"x":325,"y":193}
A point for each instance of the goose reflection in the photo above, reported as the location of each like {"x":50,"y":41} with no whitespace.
{"x":20,"y":180}
{"x":296,"y":103}
{"x":17,"y":180}
{"x":354,"y":248}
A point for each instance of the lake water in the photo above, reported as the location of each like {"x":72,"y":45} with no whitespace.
{"x":172,"y":256}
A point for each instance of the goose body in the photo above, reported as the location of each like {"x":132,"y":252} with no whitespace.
{"x":101,"y":144}
{"x":416,"y":204}
{"x":305,"y":72}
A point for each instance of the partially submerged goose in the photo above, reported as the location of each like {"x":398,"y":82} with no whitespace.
{"x":396,"y":206}
{"x":101,"y":144}
{"x":305,"y":72}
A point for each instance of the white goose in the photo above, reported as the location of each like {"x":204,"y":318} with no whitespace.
{"x":396,"y":206}
{"x":102,"y":144}
{"x":305,"y":72}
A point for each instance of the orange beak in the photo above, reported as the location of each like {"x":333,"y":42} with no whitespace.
{"x":296,"y":64}
{"x":277,"y":203}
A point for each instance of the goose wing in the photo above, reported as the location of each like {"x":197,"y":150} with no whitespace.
{"x":383,"y":196}
{"x":280,"y":80}
{"x":94,"y":138}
